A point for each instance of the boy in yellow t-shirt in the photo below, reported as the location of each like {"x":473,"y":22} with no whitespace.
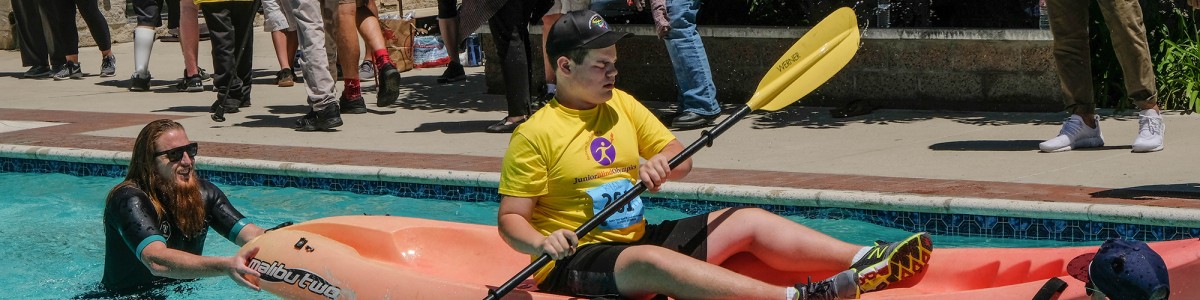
{"x":584,"y":149}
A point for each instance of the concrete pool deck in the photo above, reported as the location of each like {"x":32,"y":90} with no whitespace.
{"x":960,"y":162}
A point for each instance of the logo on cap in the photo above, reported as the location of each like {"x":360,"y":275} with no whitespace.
{"x":598,"y":22}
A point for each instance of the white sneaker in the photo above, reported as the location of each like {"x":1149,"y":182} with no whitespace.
{"x":1074,"y":135}
{"x":1150,"y":132}
{"x":366,"y":70}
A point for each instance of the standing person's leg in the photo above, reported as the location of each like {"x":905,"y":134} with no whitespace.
{"x":1128,"y":32}
{"x":148,"y":18}
{"x":317,"y":77}
{"x":510,"y":30}
{"x":548,"y":67}
{"x":189,"y":43}
{"x":34,"y":50}
{"x":448,"y":25}
{"x":219,"y":18}
{"x":1073,"y":63}
{"x":98,"y":25}
{"x":388,"y":77}
{"x":697,"y":93}
{"x":242,"y":17}
{"x":351,"y":101}
{"x":66,"y":39}
{"x":173,"y":18}
{"x":284,"y":42}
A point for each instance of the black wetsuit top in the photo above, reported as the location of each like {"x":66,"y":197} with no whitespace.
{"x":130,"y":224}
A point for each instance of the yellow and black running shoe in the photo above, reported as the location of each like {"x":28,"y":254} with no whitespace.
{"x":888,"y":263}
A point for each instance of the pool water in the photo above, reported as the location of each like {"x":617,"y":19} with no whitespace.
{"x":54,"y":239}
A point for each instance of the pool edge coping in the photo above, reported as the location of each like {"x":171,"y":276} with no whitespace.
{"x":889,"y":201}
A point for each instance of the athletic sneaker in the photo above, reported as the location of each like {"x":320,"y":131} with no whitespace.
{"x":285,"y":77}
{"x":1150,"y":132}
{"x":190,"y":84}
{"x":1074,"y":135}
{"x":454,"y":72}
{"x":366,"y":70}
{"x":38,"y":72}
{"x":69,"y":70}
{"x":888,"y":263}
{"x":203,"y":74}
{"x":108,"y":66}
{"x":352,"y":106}
{"x":139,"y":83}
{"x":324,"y":119}
{"x":840,"y":286}
{"x":388,"y":85}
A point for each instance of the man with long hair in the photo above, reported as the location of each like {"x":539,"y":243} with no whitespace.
{"x":156,"y":220}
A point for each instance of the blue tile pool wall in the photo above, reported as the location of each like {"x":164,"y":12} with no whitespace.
{"x":946,"y":224}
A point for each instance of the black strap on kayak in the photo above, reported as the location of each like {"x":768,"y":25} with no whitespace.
{"x":1051,"y":290}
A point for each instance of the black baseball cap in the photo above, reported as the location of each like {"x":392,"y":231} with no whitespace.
{"x":581,"y":29}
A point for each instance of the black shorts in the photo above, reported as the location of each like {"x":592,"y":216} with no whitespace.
{"x":149,"y":12}
{"x":589,"y":273}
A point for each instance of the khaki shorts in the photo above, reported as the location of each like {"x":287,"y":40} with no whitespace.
{"x":566,"y":6}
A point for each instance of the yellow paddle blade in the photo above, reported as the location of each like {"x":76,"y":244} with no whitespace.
{"x":822,"y":52}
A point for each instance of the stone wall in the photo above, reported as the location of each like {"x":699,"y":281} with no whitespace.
{"x":956,"y":69}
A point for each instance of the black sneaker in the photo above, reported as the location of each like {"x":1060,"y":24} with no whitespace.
{"x":388,"y":85}
{"x":69,"y":70}
{"x":504,"y":126}
{"x":190,"y":84}
{"x":108,"y":66}
{"x":454,"y":72}
{"x":690,"y":120}
{"x":840,"y":286}
{"x":225,"y":104}
{"x":38,"y":72}
{"x":325,"y":119}
{"x":285,"y":77}
{"x":139,"y":83}
{"x":352,"y":106}
{"x":203,"y":74}
{"x":888,"y":263}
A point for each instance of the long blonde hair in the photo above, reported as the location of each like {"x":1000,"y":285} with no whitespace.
{"x":187,"y":207}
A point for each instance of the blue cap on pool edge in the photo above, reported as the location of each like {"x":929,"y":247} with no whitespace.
{"x":580,"y":29}
{"x":1127,"y":270}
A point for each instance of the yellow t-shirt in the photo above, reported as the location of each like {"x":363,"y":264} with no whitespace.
{"x":575,"y":161}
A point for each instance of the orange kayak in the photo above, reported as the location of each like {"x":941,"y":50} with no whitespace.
{"x":383,"y":257}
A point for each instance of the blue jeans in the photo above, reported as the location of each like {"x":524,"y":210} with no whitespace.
{"x":697,"y":93}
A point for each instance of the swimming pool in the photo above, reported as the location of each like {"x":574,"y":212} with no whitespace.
{"x":54,"y":240}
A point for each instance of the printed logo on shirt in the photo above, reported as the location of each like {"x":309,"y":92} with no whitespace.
{"x":165,"y":228}
{"x":602,"y":151}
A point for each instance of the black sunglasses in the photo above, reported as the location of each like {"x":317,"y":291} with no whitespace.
{"x":175,"y":154}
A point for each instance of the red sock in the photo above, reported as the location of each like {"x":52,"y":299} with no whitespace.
{"x":351,"y":89}
{"x":381,"y":57}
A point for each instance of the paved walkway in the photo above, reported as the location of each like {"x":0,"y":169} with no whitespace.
{"x":440,"y":127}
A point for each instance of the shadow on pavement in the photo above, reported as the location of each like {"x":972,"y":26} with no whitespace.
{"x":997,"y":145}
{"x":1152,"y":192}
{"x":452,"y":127}
{"x":820,"y":118}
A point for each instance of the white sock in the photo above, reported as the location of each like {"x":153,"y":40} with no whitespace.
{"x":551,"y":88}
{"x":861,"y":252}
{"x":792,"y":293}
{"x":143,"y":43}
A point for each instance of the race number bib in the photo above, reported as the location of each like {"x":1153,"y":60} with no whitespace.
{"x":628,"y":215}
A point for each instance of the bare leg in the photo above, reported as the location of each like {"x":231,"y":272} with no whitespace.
{"x":368,"y":27}
{"x":642,"y":271}
{"x":283,"y":46}
{"x":189,"y":35}
{"x":778,"y":242}
{"x":347,"y":40}
{"x":449,"y":29}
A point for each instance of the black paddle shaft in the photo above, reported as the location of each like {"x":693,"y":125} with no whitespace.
{"x":705,"y":140}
